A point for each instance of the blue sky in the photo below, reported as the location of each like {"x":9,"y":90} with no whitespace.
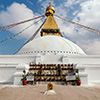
{"x":86,"y":12}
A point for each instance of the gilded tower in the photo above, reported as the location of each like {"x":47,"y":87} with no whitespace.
{"x":50,"y":26}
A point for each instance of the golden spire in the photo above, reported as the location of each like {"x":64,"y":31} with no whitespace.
{"x":50,"y":26}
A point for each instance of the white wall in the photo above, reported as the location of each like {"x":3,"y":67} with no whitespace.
{"x":16,"y":59}
{"x":93,"y":72}
{"x":51,"y":59}
{"x":7,"y":73}
{"x":8,"y":64}
{"x":87,"y":59}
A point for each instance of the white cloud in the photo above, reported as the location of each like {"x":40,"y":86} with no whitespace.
{"x":90,"y":47}
{"x":17,"y":13}
{"x":70,"y":3}
{"x":75,"y":13}
{"x":61,"y":11}
{"x":89,"y":15}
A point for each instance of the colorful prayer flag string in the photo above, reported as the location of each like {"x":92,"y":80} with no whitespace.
{"x":20,"y":31}
{"x":4,"y":28}
{"x":81,"y":26}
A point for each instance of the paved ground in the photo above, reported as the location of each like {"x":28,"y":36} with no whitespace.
{"x":37,"y":93}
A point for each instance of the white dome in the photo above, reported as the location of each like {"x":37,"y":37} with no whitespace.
{"x":50,"y":44}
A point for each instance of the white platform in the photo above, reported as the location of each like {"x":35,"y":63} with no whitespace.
{"x":11,"y":66}
{"x":50,"y":92}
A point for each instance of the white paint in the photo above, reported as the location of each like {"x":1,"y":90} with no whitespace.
{"x":51,"y":44}
{"x":50,"y":92}
{"x":19,"y":72}
{"x":12,"y":66}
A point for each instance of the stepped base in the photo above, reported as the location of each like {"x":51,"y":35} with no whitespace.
{"x":50,"y":92}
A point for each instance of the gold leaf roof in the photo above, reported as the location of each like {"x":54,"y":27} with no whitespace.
{"x":50,"y":23}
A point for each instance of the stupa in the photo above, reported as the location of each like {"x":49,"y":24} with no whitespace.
{"x":50,"y":50}
{"x":51,"y":40}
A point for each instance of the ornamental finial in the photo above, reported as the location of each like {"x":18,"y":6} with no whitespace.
{"x":49,"y":3}
{"x":50,"y":10}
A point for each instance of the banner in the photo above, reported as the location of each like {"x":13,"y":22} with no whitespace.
{"x":4,"y":28}
{"x":30,"y":77}
{"x":70,"y":76}
{"x":96,"y":31}
{"x":20,"y":31}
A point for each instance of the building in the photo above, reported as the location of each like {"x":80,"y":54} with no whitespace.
{"x":50,"y":48}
